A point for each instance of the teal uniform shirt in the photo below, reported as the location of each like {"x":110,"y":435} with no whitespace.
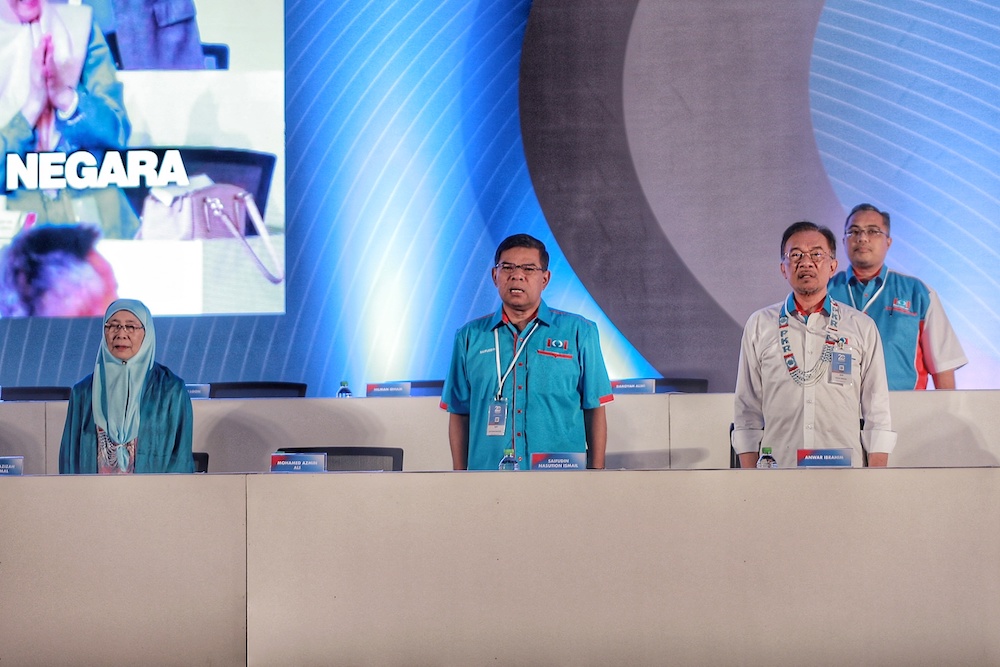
{"x":165,"y":427}
{"x":559,"y":374}
{"x":916,"y":335}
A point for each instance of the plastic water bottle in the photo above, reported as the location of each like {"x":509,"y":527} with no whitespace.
{"x":509,"y":462}
{"x":344,"y":391}
{"x":766,"y":460}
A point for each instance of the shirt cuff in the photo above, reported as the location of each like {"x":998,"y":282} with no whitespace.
{"x":878,"y":442}
{"x":747,"y":440}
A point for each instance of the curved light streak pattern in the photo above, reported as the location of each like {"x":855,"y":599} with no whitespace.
{"x":404,"y":170}
{"x":906,"y":114}
{"x":408,"y":171}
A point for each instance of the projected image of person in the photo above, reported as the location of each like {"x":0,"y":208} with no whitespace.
{"x":151,"y":34}
{"x":131,"y":415}
{"x":59,"y":91}
{"x":527,"y":378}
{"x":55,"y":271}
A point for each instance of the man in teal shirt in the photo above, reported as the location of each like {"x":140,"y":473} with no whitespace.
{"x":527,"y":378}
{"x":918,"y":339}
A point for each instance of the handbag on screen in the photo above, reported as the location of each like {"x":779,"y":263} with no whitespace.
{"x":207,"y":211}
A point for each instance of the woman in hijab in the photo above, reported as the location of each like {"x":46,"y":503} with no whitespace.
{"x":132,"y":414}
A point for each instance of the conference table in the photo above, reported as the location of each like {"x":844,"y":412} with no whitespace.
{"x":714,"y":567}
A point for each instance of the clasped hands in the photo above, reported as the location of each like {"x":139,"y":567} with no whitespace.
{"x":48,"y":83}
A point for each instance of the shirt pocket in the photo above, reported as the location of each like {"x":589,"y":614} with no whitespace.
{"x":553,"y":373}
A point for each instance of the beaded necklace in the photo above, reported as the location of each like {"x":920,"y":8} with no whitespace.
{"x":813,"y":375}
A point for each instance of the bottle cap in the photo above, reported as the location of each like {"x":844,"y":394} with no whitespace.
{"x":765,"y":450}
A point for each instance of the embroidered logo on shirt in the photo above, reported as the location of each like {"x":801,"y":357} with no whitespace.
{"x":558,"y":344}
{"x":902,"y":306}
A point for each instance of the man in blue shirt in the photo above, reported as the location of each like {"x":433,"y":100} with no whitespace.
{"x":916,"y":334}
{"x":526,"y":378}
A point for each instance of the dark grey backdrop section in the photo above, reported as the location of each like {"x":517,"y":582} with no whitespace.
{"x":670,"y":143}
{"x":573,"y":125}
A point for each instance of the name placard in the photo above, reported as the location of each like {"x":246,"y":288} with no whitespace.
{"x":288,"y":462}
{"x":824,"y":458}
{"x":198,"y":390}
{"x":387,"y":389}
{"x":634,"y":386}
{"x":11,"y":465}
{"x":559,"y":461}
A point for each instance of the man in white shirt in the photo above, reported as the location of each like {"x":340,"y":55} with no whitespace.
{"x":811,"y":374}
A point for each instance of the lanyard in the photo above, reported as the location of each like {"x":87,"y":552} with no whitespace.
{"x":496,"y":347}
{"x":850,"y":291}
{"x":812,"y":376}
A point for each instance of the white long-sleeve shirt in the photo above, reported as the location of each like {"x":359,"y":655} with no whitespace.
{"x":773,"y":410}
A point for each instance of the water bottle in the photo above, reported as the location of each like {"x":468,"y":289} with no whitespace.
{"x":766,"y":460}
{"x":344,"y":391}
{"x":509,"y":462}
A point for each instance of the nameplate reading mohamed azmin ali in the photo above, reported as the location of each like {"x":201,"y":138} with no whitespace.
{"x":289,"y":462}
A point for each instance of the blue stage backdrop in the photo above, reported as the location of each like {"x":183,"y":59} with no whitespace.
{"x":666,"y":170}
{"x":405,"y":169}
{"x":906,"y":109}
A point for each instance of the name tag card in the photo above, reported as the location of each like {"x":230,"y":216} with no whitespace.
{"x":387,"y":389}
{"x":198,"y":390}
{"x":559,"y":461}
{"x":824,"y":458}
{"x":637,"y":386}
{"x":11,"y":465}
{"x":286,"y":462}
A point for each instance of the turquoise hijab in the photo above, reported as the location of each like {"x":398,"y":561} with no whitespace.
{"x":118,"y":384}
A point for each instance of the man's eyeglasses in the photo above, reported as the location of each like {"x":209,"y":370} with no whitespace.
{"x":871,"y":232}
{"x":508,"y":268}
{"x":127,"y":328}
{"x":797,"y":256}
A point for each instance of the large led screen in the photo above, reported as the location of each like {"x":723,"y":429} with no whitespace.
{"x":143,"y":157}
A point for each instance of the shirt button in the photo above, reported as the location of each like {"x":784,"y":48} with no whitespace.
{"x":519,"y":435}
{"x":518,"y":412}
{"x":809,"y":427}
{"x":520,"y":387}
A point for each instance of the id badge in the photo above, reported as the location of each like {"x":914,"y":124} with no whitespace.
{"x":496,"y":423}
{"x":840,"y":368}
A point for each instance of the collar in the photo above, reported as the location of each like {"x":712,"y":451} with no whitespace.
{"x":791,"y":307}
{"x":543,"y":315}
{"x":852,"y":278}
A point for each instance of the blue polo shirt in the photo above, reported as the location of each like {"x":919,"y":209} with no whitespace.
{"x":559,"y":374}
{"x":916,"y":335}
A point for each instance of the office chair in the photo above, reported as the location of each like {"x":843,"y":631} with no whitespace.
{"x":216,"y":55}
{"x":681,"y":385}
{"x":200,"y":461}
{"x":34,"y":393}
{"x":265,"y":389}
{"x":734,"y":459}
{"x":357,"y":459}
